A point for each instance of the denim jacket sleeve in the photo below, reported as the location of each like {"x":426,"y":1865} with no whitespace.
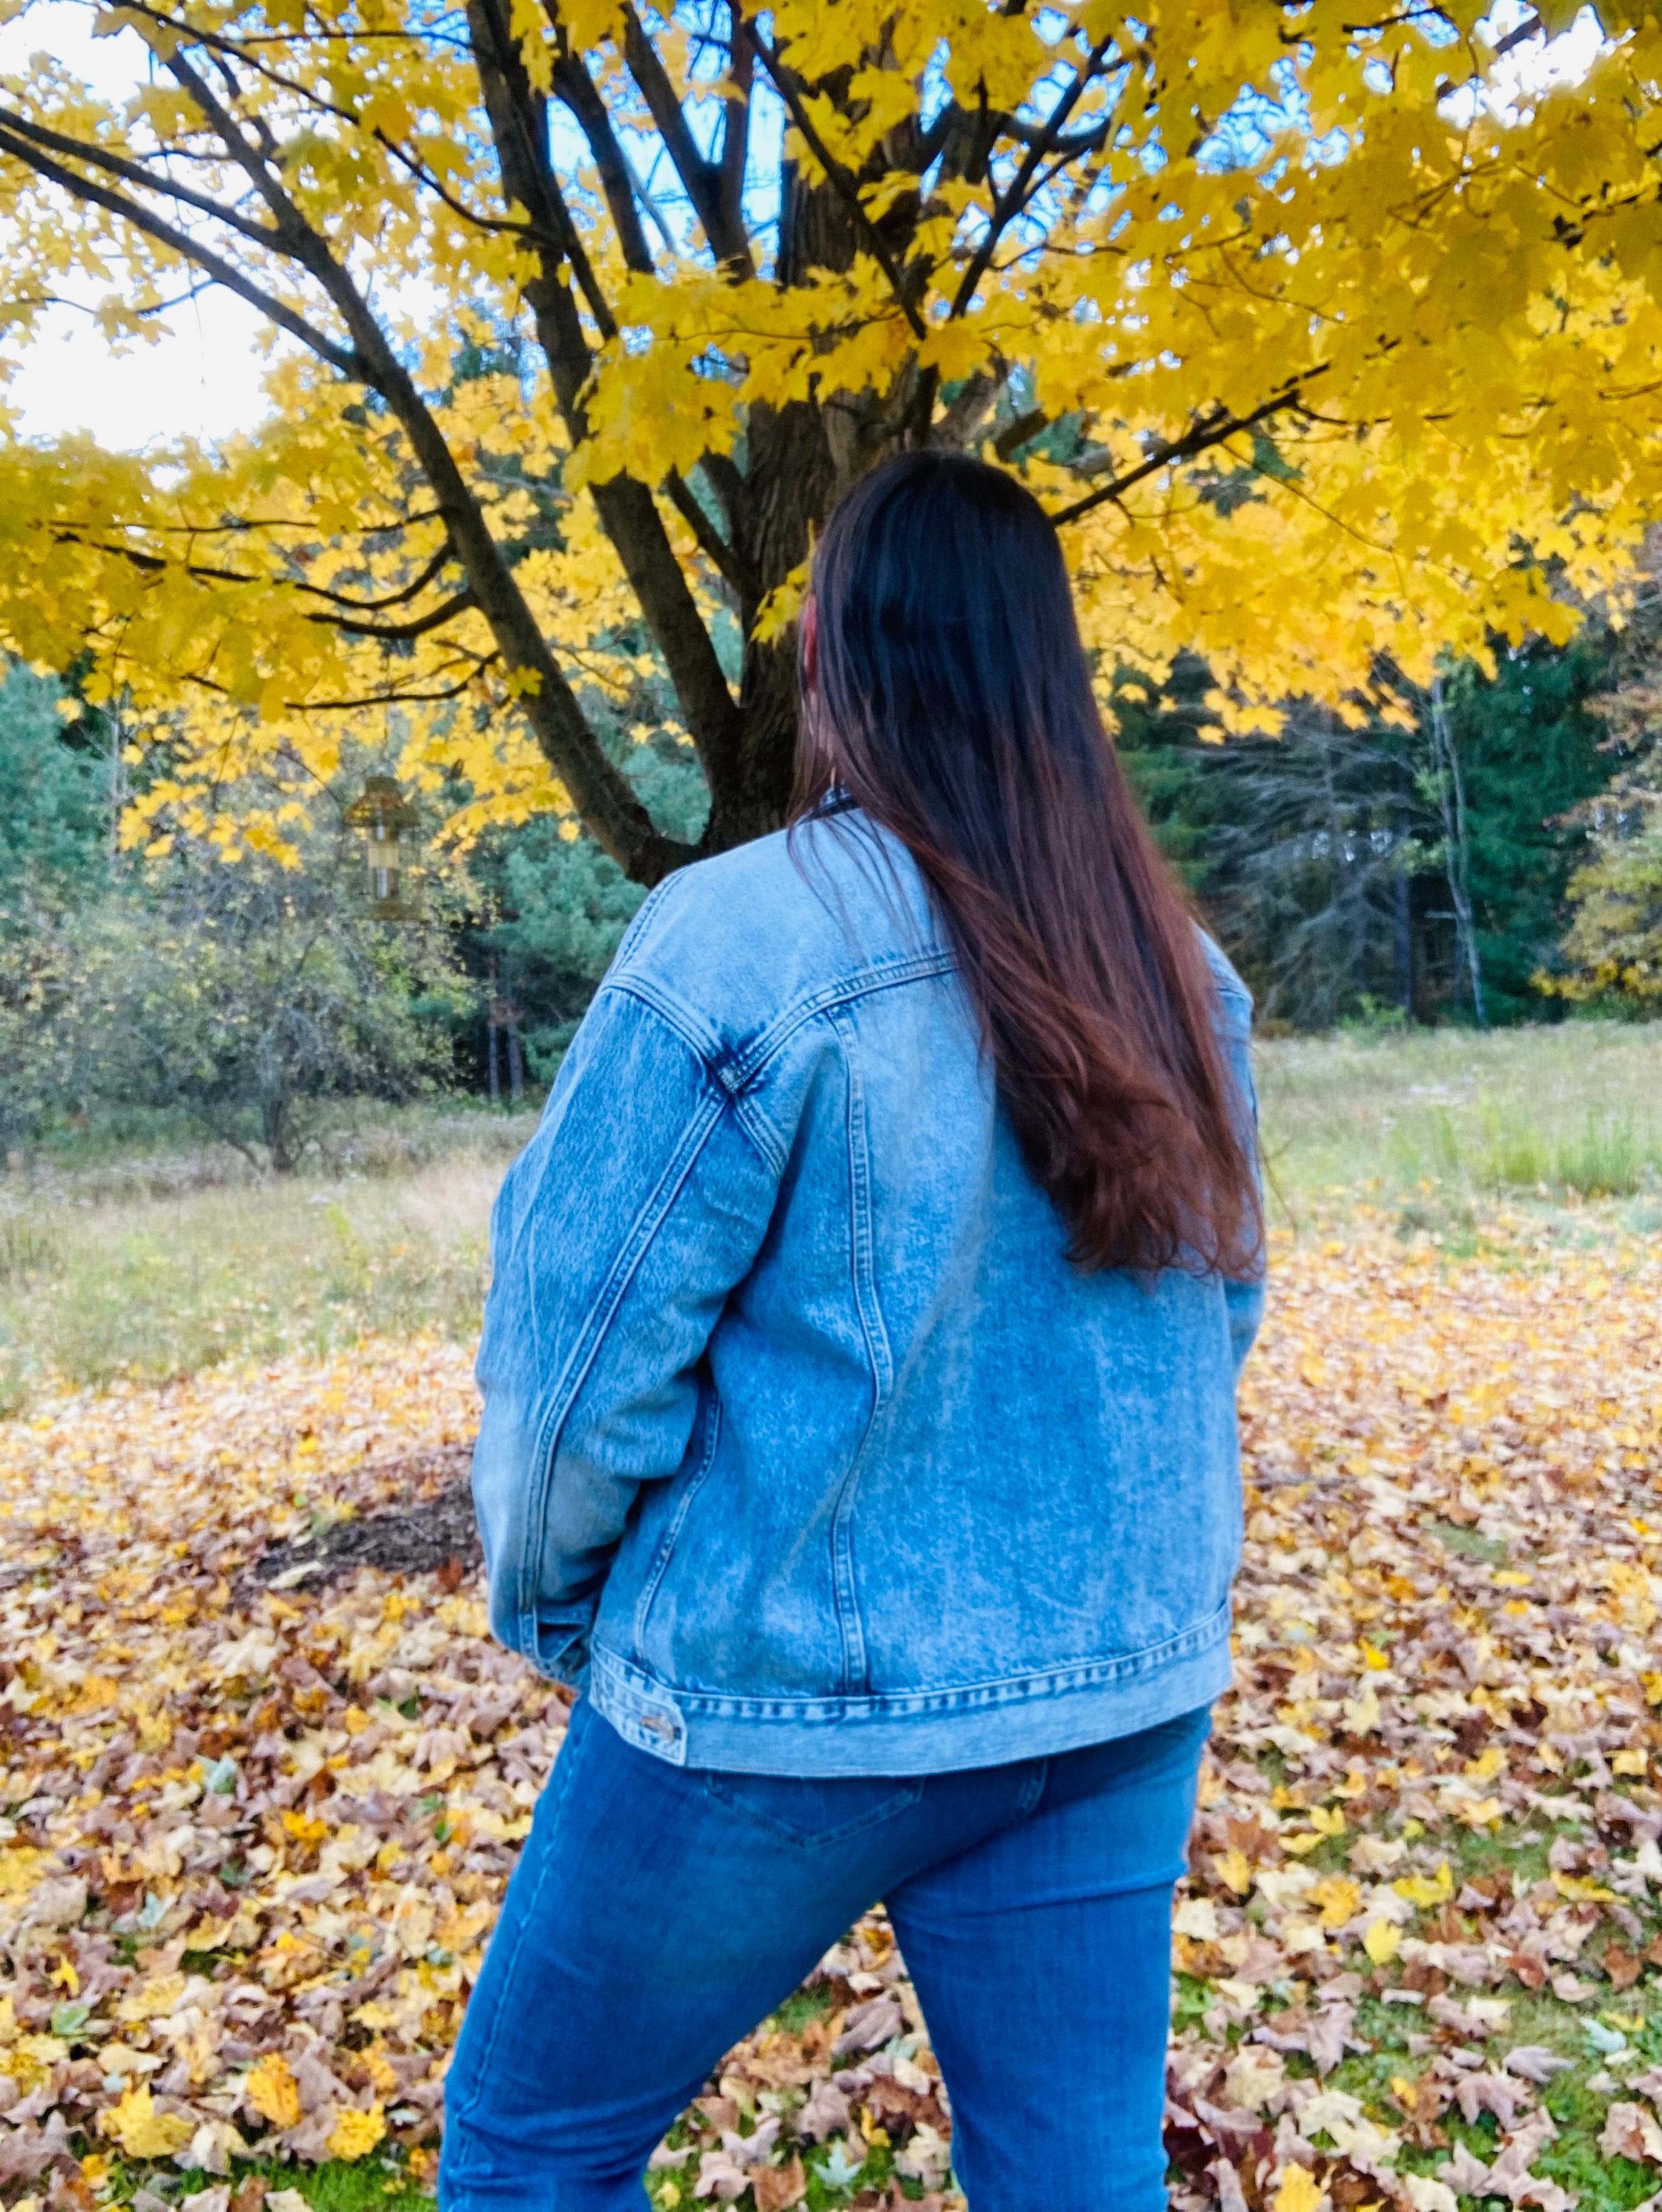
{"x":615,"y":1240}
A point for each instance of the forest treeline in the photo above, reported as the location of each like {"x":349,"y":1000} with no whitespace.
{"x":1488,"y":850}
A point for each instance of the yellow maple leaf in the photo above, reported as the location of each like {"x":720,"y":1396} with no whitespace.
{"x":141,"y":2130}
{"x":1426,"y":1893}
{"x":1362,"y":1715}
{"x":382,"y":2076}
{"x":354,"y":2133}
{"x":18,"y":1868}
{"x":1381,"y":1941}
{"x":1629,"y":1762}
{"x":306,"y":1827}
{"x":153,"y":1999}
{"x":1480,"y":1812}
{"x":1299,"y":2190}
{"x":30,"y":2061}
{"x":1234,"y":1870}
{"x":1337,"y":1899}
{"x":1582,"y":1889}
{"x":271,"y":2089}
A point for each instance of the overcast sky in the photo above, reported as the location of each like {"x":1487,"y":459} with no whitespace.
{"x":203,"y":378}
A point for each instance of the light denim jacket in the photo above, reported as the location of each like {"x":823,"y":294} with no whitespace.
{"x":805,"y":1449}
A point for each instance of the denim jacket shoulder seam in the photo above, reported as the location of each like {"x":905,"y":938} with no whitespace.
{"x":864,"y":983}
{"x":639,"y":925}
{"x":757,"y":1130}
{"x":697,"y":1031}
{"x":734,"y":1074}
{"x":669,"y":1010}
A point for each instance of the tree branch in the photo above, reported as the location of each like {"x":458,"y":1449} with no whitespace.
{"x":628,"y":512}
{"x":577,"y":91}
{"x":349,"y":364}
{"x":1211,"y":430}
{"x":1014,"y":435}
{"x":1530,"y":28}
{"x":411,"y":591}
{"x":402,"y":633}
{"x":701,"y":179}
{"x":1004,"y":208}
{"x":391,"y":698}
{"x":135,"y":173}
{"x":735,"y":130}
{"x":601,"y":793}
{"x":225,"y":124}
{"x":968,"y":409}
{"x":154,"y":564}
{"x":713,"y":545}
{"x":847,"y":187}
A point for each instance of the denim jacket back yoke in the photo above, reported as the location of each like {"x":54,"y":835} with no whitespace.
{"x":805,"y":1447}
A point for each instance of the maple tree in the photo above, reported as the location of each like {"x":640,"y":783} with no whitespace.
{"x":1323,"y":337}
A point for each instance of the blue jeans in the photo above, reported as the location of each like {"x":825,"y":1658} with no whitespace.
{"x":659,"y":1912}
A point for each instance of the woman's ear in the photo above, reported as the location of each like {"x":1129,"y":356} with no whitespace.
{"x":809,"y":652}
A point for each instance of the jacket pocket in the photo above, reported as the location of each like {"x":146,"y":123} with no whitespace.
{"x":813,"y":1812}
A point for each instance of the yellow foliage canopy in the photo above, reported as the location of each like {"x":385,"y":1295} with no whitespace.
{"x":1327,"y":342}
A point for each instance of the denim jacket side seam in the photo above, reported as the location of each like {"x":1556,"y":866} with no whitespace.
{"x":646,"y":1226}
{"x":862,"y":1270}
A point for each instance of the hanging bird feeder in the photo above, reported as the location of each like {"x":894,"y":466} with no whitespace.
{"x":384,"y":817}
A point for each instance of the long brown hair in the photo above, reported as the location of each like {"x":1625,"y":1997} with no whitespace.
{"x":946,"y":693}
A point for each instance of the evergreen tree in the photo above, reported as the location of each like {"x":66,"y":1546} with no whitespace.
{"x":58,"y":790}
{"x":1530,"y":753}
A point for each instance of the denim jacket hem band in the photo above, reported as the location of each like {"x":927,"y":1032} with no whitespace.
{"x":925,"y":1732}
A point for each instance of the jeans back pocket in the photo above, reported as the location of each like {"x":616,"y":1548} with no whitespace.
{"x":812,"y":1811}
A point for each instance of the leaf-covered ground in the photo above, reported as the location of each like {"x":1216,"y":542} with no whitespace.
{"x":254,"y":1839}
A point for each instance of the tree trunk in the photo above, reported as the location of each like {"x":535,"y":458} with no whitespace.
{"x":493,"y":1036}
{"x":1402,"y":915}
{"x":1456,"y":848}
{"x":799,"y":461}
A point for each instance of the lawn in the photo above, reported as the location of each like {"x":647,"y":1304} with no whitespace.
{"x":252,"y":1839}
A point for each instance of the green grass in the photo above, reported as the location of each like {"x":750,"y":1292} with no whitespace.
{"x":156,"y":1266}
{"x":144,"y":1259}
{"x":380,"y":2183}
{"x":1439,"y":1127}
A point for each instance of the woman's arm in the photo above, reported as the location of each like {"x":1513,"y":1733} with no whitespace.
{"x":1244,"y":1297}
{"x":615,"y":1240}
